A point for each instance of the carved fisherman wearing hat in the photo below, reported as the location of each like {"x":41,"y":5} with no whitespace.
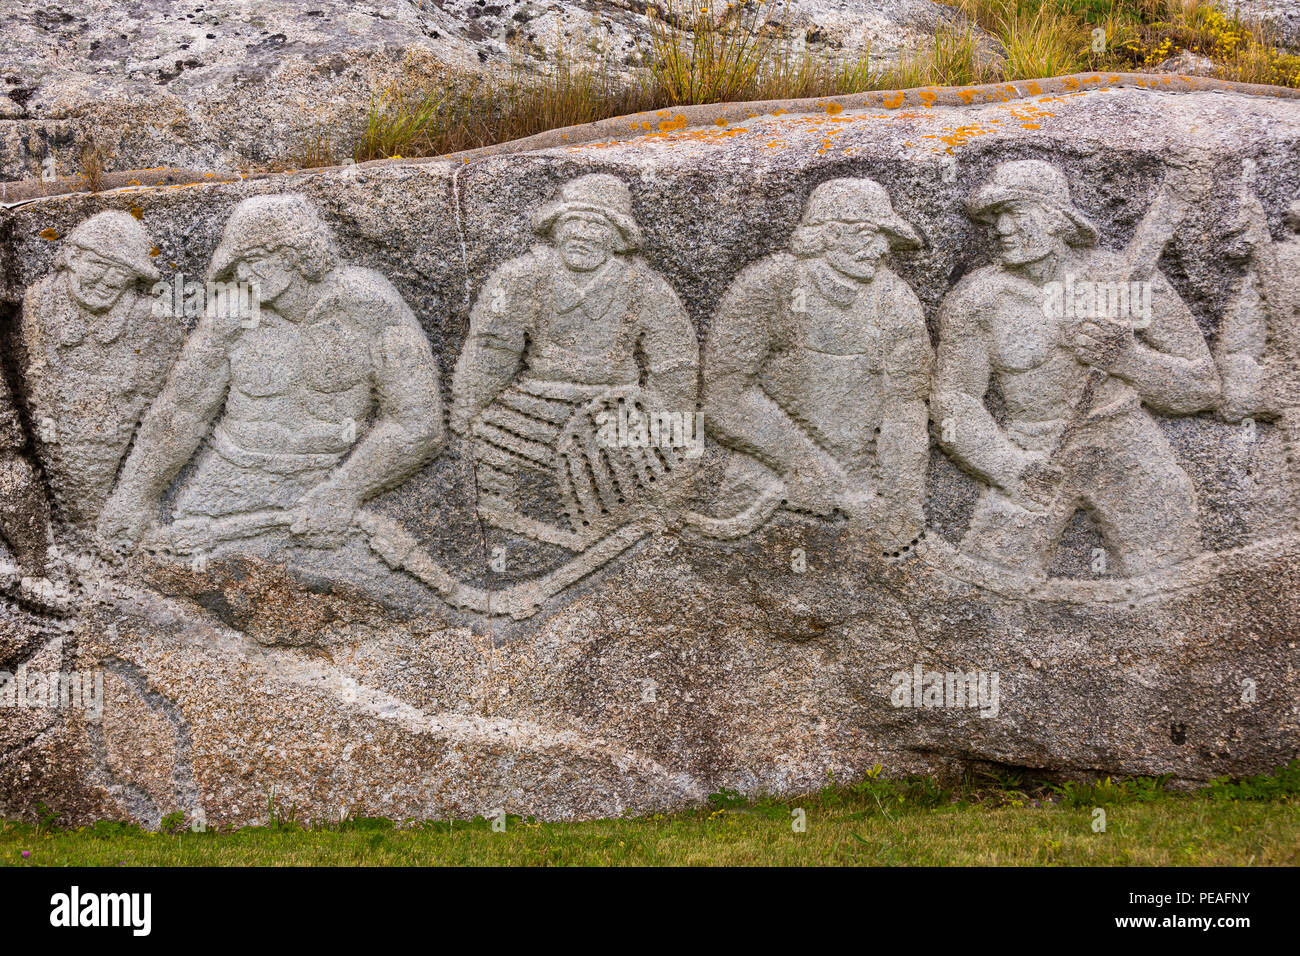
{"x":97,"y":356}
{"x":333,"y":347}
{"x":1259,"y":336}
{"x":1073,"y":382}
{"x":562,"y":326}
{"x":818,"y":367}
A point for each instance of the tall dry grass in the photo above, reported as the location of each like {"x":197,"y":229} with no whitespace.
{"x":701,"y":51}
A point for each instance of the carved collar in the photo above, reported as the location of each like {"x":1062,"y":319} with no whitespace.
{"x":594,"y":296}
{"x":836,"y":288}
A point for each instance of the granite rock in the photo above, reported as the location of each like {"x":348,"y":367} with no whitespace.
{"x":731,"y":448}
{"x":232,"y":84}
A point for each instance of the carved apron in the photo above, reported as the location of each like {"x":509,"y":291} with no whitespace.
{"x":582,"y":347}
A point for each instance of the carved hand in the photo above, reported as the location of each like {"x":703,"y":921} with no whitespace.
{"x":815,"y":486}
{"x":122,"y":523}
{"x":324,"y":514}
{"x":1102,"y":342}
{"x":893,"y":524}
{"x":1037,"y":484}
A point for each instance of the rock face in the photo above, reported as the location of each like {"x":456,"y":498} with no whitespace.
{"x":724,"y":449}
{"x":1280,"y":18}
{"x":231,"y":84}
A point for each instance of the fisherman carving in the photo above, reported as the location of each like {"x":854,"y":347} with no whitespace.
{"x":330,"y":395}
{"x":97,"y":356}
{"x":558,"y":339}
{"x":1076,"y":381}
{"x":817,"y":370}
{"x":1259,"y":339}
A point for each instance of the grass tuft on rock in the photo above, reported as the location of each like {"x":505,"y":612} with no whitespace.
{"x":701,"y":51}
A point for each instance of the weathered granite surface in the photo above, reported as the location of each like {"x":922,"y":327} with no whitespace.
{"x":383,"y":536}
{"x":232,"y":84}
{"x":1280,"y":17}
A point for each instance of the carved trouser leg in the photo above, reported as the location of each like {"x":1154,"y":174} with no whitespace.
{"x":1124,"y":472}
{"x":1143,"y":501}
{"x":24,"y":514}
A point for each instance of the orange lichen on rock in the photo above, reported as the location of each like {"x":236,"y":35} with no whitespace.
{"x":833,"y":108}
{"x":958,"y":135}
{"x":137,"y":212}
{"x":894,"y":102}
{"x":49,"y":234}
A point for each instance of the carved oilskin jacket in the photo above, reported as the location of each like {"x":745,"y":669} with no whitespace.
{"x":92,"y":377}
{"x":831,"y":353}
{"x":625,"y":326}
{"x":1259,"y":337}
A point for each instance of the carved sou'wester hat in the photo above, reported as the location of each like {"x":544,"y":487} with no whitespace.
{"x":272,"y":221}
{"x":860,"y":200}
{"x":1029,"y":180}
{"x":119,"y":238}
{"x":597,"y":193}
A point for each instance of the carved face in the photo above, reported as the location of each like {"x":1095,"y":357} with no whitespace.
{"x":97,"y":283}
{"x":1027,"y":232}
{"x":585,"y":242}
{"x":270,"y":271}
{"x":854,"y":248}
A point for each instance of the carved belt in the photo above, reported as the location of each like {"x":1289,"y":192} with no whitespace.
{"x":278,"y":463}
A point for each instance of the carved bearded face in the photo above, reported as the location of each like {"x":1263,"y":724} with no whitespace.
{"x":97,"y":283}
{"x":1027,"y":232}
{"x":854,"y":248}
{"x":585,"y":242}
{"x":270,"y":271}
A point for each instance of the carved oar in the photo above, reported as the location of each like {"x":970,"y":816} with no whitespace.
{"x":742,"y":523}
{"x":1140,"y":258}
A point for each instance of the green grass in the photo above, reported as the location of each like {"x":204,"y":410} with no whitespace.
{"x":874,"y":822}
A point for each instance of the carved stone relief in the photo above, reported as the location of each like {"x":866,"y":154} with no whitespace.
{"x":563,"y":342}
{"x":1259,"y":339}
{"x":97,"y":355}
{"x":299,"y":414}
{"x":731,"y":443}
{"x":816,"y":373}
{"x":1078,"y":388}
{"x":580,"y":375}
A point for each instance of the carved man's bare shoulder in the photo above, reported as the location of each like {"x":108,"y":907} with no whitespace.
{"x":365,"y":295}
{"x":973,"y":294}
